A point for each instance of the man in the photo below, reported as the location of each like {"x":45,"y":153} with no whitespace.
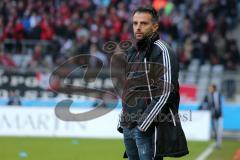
{"x":13,"y":98}
{"x":149,"y":120}
{"x":213,"y":100}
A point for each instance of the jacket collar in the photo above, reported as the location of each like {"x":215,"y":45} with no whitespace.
{"x":145,"y":43}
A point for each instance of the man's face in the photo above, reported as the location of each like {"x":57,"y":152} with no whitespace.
{"x":210,"y":89}
{"x":143,"y":25}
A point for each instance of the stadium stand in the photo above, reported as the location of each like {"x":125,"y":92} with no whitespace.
{"x":41,"y":35}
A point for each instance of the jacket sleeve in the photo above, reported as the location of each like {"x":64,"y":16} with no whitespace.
{"x":158,"y":102}
{"x":119,"y":127}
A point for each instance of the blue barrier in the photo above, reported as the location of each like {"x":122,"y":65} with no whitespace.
{"x":231,"y":112}
{"x":231,"y":115}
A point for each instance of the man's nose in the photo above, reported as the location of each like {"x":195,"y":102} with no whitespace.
{"x":139,"y":27}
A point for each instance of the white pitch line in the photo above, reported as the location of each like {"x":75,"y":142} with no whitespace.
{"x":207,"y":152}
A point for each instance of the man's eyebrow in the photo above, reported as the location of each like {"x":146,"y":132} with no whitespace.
{"x":141,"y":21}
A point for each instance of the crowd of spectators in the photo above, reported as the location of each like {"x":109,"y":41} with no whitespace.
{"x":195,"y":29}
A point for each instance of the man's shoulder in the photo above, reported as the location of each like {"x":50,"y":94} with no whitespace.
{"x":162,"y":45}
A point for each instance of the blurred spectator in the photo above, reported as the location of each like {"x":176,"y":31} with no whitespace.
{"x":186,"y":55}
{"x":38,"y":58}
{"x":125,"y":33}
{"x":6,"y":60}
{"x":74,"y":25}
{"x":231,"y":57}
{"x":46,"y":29}
{"x":97,"y":57}
{"x":14,"y":98}
{"x":1,"y":28}
{"x":213,"y":102}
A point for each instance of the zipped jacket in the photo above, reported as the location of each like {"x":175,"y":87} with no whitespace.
{"x":151,"y":98}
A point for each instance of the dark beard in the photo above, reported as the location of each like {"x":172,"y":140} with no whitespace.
{"x":145,"y":42}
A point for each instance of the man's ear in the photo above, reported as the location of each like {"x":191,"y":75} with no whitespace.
{"x":155,"y":27}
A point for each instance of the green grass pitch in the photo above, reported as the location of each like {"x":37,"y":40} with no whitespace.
{"x":27,"y":148}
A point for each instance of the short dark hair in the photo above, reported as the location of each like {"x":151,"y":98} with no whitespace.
{"x":214,"y":87}
{"x":147,"y":9}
